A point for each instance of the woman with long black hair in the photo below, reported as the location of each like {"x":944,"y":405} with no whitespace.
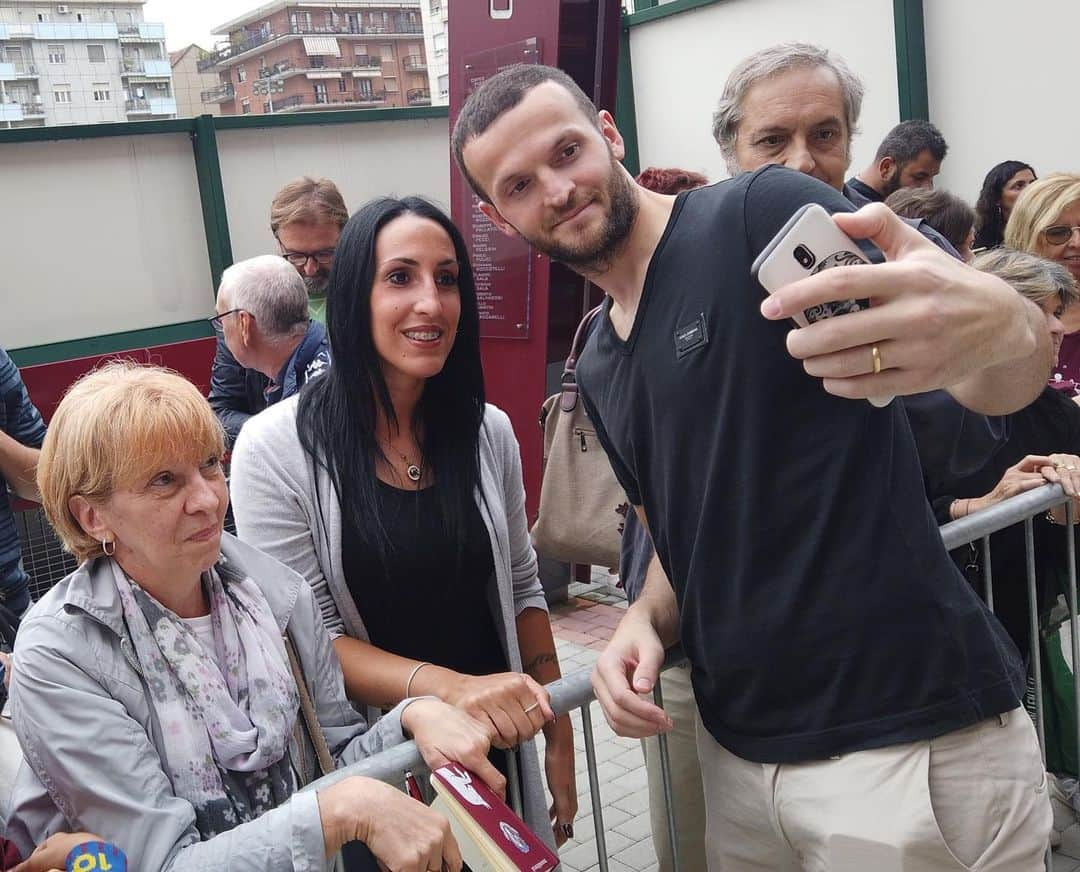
{"x":396,"y":492}
{"x":1002,"y":185}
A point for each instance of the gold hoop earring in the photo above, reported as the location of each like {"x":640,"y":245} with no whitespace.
{"x":105,"y":543}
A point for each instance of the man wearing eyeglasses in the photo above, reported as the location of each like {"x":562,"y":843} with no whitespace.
{"x":306,"y":217}
{"x":263,"y":319}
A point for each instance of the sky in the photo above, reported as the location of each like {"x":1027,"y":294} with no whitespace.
{"x":188,"y":21}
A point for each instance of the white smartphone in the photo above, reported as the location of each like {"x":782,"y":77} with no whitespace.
{"x":807,"y":244}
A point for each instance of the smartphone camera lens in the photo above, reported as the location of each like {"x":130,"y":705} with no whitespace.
{"x":804,"y":256}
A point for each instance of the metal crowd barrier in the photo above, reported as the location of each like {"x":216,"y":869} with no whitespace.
{"x":574,"y":691}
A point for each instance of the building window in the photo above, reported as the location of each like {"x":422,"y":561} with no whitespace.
{"x":56,"y":54}
{"x":391,"y":85}
{"x":101,"y":92}
{"x":245,"y":106}
{"x":444,"y":86}
{"x":43,"y":17}
{"x":266,"y":108}
{"x":320,"y":93}
{"x":439,"y":41}
{"x":241,"y":74}
{"x":96,"y":53}
{"x":78,"y":17}
{"x":62,"y":93}
{"x":386,"y":50}
{"x":342,"y":85}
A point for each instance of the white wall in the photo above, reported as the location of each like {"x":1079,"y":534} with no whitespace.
{"x":1002,"y":86}
{"x":100,"y":236}
{"x":365,"y":160}
{"x":681,"y":62}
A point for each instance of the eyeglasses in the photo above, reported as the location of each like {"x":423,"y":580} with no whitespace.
{"x":299,"y":259}
{"x":215,"y":322}
{"x":1059,"y":234}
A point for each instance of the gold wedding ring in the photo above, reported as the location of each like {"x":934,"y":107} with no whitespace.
{"x":528,"y":709}
{"x":877,"y":359}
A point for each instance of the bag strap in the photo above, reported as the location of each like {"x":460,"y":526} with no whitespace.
{"x":581,"y":336}
{"x":568,"y":392}
{"x":307,"y":709}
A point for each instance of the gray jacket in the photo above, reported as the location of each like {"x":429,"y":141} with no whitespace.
{"x":286,"y":507}
{"x":92,"y":742}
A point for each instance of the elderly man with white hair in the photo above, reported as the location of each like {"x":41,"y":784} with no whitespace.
{"x":262,"y":313}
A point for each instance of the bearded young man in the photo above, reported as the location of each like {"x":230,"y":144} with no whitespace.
{"x":854,"y":694}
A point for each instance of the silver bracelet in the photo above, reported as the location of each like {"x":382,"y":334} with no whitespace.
{"x":412,"y":675}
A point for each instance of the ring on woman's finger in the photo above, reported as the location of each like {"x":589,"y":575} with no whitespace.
{"x":530,"y":708}
{"x":875,"y":359}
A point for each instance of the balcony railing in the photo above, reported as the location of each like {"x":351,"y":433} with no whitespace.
{"x":320,"y":62}
{"x":20,"y":69}
{"x":36,"y":109}
{"x":219,"y":95}
{"x":418,"y":96}
{"x":139,"y":104}
{"x":254,"y":40}
{"x":237,"y":48}
{"x":331,"y":100}
{"x":145,"y":67}
{"x":414,"y":62}
{"x":348,"y":29}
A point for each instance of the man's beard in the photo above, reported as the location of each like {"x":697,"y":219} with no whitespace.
{"x":892,"y":185}
{"x":316,"y":284}
{"x":597,"y":256}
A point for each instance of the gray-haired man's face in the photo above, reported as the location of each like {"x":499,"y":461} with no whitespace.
{"x":796,"y":118}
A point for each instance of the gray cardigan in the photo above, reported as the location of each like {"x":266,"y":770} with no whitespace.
{"x":287,"y":508}
{"x":92,"y":742}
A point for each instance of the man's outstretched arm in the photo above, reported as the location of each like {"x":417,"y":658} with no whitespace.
{"x":937,"y":323}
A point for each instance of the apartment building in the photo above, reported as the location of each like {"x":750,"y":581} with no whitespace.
{"x":436,"y":15}
{"x":85,"y":62}
{"x":295,"y":57}
{"x":189,"y":83}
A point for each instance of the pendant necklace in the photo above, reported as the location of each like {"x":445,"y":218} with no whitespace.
{"x":414,"y":471}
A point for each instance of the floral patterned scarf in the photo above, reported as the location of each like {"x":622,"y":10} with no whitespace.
{"x":226,"y":719}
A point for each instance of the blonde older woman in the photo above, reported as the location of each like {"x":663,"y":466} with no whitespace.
{"x":154,"y":696}
{"x":1046,"y":221}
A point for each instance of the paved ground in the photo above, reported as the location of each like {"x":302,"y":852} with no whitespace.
{"x":582,"y":626}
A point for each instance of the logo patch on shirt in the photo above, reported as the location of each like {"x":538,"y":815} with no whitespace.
{"x":689,"y":337}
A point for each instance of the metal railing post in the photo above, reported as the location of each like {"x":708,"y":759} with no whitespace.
{"x":594,"y":789}
{"x":988,"y":574}
{"x":1070,"y":562}
{"x":665,"y":775}
{"x":1033,"y":626}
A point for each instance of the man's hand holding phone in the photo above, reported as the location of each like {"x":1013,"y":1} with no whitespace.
{"x":936,"y":323}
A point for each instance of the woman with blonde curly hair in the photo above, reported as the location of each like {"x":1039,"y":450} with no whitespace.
{"x":1046,"y":222}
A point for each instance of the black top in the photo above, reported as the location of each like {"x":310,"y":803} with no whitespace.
{"x":860,"y":193}
{"x":429,"y":608}
{"x":819,"y":608}
{"x":1050,"y":424}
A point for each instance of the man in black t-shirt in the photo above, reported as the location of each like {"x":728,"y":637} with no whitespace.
{"x":808,"y":583}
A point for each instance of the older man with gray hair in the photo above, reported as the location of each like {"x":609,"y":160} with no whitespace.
{"x":262,"y":312}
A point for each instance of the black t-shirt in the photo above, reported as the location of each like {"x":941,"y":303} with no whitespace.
{"x":426,"y":609}
{"x":860,"y":193}
{"x":819,"y":609}
{"x":1050,"y":424}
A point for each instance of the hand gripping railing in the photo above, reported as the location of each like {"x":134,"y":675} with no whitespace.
{"x":573,"y":691}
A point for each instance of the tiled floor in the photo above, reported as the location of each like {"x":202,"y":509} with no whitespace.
{"x":581,"y":626}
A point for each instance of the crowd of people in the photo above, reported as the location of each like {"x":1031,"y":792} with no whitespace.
{"x":849,"y":697}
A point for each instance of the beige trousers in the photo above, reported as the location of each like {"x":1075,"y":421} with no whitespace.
{"x":689,"y":800}
{"x":972,"y":799}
